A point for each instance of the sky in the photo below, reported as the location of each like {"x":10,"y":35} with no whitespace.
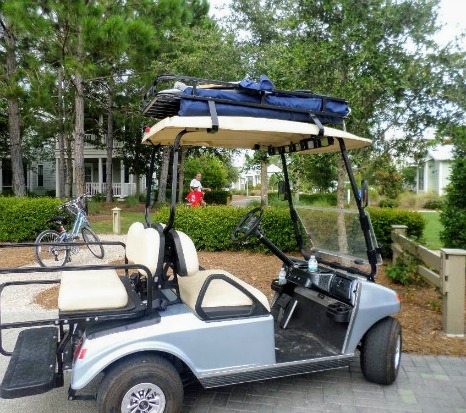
{"x":451,"y":14}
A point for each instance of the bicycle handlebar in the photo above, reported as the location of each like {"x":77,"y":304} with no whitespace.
{"x":75,"y":202}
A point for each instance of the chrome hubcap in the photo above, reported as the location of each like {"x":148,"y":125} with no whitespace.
{"x":143,"y":398}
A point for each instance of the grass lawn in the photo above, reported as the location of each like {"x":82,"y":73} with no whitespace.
{"x":432,"y":230}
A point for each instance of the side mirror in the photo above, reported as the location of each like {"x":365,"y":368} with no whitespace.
{"x":364,"y":193}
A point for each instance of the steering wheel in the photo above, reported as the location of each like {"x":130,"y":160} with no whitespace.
{"x":247,"y":225}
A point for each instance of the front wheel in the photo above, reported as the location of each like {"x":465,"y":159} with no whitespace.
{"x":50,"y":255}
{"x":381,"y":351}
{"x":90,"y":236}
{"x":143,"y":384}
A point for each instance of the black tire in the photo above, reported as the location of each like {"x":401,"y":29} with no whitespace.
{"x":50,"y":255}
{"x":147,"y":380}
{"x":90,"y":236}
{"x":381,"y":351}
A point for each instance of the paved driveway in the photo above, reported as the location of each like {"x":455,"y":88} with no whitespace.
{"x":425,"y":384}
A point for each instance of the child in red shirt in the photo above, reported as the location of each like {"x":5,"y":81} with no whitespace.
{"x":194,"y":198}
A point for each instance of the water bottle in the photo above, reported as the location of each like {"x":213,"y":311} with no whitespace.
{"x":282,"y":276}
{"x":312,"y":264}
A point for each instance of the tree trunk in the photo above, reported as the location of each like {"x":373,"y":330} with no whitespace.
{"x":79,"y":122}
{"x":162,"y":195}
{"x":264,"y":184}
{"x":14,"y":117}
{"x":110,"y":143}
{"x":183,"y":152}
{"x":69,"y":166}
{"x":341,"y":227}
{"x":61,"y":176}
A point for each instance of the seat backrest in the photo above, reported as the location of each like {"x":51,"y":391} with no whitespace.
{"x":143,"y":246}
{"x":186,"y":259}
{"x":133,"y":237}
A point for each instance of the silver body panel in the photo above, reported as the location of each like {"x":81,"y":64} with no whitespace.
{"x":229,"y":351}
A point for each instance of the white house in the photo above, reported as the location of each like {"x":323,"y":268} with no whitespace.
{"x":252,"y":177}
{"x":41,"y":178}
{"x":433,"y":173}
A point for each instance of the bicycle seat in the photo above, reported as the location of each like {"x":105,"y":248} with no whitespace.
{"x":58,"y":218}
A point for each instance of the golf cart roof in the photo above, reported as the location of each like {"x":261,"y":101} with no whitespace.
{"x":251,"y":133}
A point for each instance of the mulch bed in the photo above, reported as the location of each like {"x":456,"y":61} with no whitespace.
{"x":420,"y":314}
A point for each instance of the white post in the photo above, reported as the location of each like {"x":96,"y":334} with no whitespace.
{"x":122,"y":180}
{"x":116,"y":220}
{"x":452,"y":271}
{"x":101,"y":175}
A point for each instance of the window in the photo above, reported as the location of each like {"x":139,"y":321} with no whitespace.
{"x":40,"y":175}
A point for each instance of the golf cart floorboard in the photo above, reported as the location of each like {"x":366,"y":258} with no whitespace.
{"x":32,"y":366}
{"x":296,"y":344}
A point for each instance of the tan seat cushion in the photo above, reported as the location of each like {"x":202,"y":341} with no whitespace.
{"x":91,"y":290}
{"x":219,"y":293}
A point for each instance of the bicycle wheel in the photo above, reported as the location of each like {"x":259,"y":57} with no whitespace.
{"x":50,"y":255}
{"x":90,"y":236}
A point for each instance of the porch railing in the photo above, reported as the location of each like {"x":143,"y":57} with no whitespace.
{"x":119,"y":189}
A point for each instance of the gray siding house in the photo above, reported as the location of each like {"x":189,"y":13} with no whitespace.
{"x":41,"y":177}
{"x":433,"y":173}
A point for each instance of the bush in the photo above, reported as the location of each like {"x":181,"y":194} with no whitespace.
{"x":211,"y":227}
{"x":383,"y":219}
{"x":434,"y":204}
{"x":319,"y":198}
{"x":217,"y":197}
{"x":404,"y":272}
{"x":388,"y":203}
{"x":22,"y":219}
{"x":453,"y":215}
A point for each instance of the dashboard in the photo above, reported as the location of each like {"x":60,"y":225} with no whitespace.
{"x":337,"y":285}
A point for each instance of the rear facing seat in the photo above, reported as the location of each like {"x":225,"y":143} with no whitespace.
{"x":103,"y":289}
{"x":213,"y":293}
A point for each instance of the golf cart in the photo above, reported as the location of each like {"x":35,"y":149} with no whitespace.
{"x":160,"y":320}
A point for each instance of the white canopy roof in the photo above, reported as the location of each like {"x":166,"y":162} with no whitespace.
{"x":247,"y":133}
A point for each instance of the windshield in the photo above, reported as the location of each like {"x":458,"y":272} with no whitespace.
{"x":336,"y":237}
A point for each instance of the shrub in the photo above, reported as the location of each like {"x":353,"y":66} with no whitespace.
{"x":405,"y":271}
{"x":22,"y":219}
{"x":319,"y":198}
{"x":434,"y":204}
{"x":211,"y":227}
{"x":388,"y":203}
{"x":453,"y":215}
{"x":217,"y":197}
{"x":383,"y":219}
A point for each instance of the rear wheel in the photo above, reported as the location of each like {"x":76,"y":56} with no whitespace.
{"x":381,"y":351}
{"x":142,"y":384}
{"x":90,"y":236}
{"x":50,"y":255}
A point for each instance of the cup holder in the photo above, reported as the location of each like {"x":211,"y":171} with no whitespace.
{"x":339,"y":312}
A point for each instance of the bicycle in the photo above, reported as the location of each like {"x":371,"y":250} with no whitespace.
{"x":50,"y":239}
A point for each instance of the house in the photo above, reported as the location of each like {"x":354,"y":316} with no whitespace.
{"x":433,"y":172}
{"x":250,"y":178}
{"x":41,"y":178}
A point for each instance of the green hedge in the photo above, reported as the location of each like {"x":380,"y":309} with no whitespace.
{"x":383,"y":219}
{"x":22,"y":219}
{"x":211,"y":227}
{"x":318,"y":198}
